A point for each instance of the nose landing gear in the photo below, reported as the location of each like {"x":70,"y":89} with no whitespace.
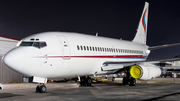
{"x":41,"y":88}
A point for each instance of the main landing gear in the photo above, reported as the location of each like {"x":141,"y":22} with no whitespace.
{"x":128,"y":80}
{"x":41,"y":88}
{"x":85,"y":81}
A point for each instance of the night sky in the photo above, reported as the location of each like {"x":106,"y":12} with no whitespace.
{"x":110,"y":18}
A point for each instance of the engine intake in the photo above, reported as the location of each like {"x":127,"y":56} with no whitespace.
{"x":136,"y":72}
{"x":145,"y":71}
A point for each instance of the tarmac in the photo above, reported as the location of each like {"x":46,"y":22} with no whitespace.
{"x":159,"y":89}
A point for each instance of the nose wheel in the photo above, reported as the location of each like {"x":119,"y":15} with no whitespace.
{"x":41,"y":88}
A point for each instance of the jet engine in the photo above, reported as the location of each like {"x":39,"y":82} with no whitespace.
{"x":145,"y":71}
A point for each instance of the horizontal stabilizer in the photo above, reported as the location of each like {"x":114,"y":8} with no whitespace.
{"x":163,"y":46}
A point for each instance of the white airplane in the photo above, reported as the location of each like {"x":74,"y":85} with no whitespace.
{"x":68,"y":55}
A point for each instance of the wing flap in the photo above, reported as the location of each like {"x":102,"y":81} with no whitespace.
{"x":110,"y":67}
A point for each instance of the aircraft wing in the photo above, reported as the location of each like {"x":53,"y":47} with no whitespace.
{"x":163,"y":46}
{"x":111,"y":66}
{"x":163,"y":61}
{"x":117,"y":66}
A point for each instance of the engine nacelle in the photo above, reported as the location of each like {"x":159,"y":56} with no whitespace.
{"x":145,"y":71}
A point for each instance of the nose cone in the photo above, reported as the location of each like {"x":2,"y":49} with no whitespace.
{"x":14,"y":59}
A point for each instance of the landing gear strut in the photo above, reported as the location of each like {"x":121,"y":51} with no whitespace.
{"x":132,"y":81}
{"x":41,"y":88}
{"x":85,"y":81}
{"x":128,"y":80}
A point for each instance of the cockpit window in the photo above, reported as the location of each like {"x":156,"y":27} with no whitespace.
{"x":26,"y":44}
{"x":43,"y":44}
{"x":34,"y":44}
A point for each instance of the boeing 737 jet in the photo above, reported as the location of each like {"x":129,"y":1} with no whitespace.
{"x":68,"y":55}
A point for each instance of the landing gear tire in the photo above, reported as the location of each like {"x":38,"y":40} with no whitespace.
{"x":88,"y":81}
{"x":85,"y":81}
{"x":41,"y":88}
{"x":113,"y":78}
{"x":125,"y":80}
{"x":132,"y":81}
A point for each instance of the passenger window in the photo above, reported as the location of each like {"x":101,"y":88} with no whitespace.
{"x":93,"y":48}
{"x":96,"y":48}
{"x":113,"y":50}
{"x":84,"y":48}
{"x":90,"y":48}
{"x":77,"y":47}
{"x":81,"y":48}
{"x":87,"y":48}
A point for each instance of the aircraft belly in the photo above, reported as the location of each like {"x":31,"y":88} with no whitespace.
{"x":82,"y":66}
{"x":74,"y":68}
{"x":47,"y":67}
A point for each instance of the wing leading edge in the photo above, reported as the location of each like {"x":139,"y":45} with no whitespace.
{"x":163,"y":46}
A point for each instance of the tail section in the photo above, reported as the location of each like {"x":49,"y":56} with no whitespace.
{"x":141,"y":33}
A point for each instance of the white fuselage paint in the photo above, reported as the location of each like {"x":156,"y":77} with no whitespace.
{"x":62,"y":59}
